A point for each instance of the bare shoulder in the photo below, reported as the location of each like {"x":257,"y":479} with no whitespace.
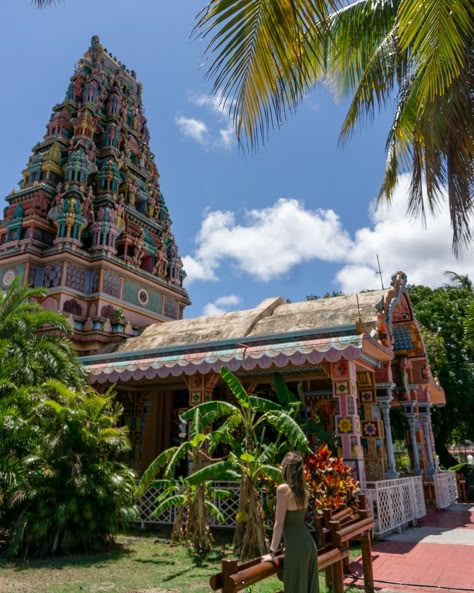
{"x":283,"y":490}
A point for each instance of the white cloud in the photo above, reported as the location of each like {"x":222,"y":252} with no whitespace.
{"x":221,"y":305}
{"x":193,"y":128}
{"x":267,"y":243}
{"x":224,"y":135}
{"x":401,"y":243}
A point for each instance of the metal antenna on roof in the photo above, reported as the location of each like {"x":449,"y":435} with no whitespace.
{"x":358,"y":307}
{"x":380,"y":272}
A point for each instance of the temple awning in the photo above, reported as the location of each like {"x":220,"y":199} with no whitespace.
{"x":239,"y":357}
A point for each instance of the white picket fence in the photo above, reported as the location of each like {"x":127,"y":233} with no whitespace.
{"x":396,"y":503}
{"x":446,"y":489}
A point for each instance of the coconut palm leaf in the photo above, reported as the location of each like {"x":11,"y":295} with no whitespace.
{"x":255,"y":45}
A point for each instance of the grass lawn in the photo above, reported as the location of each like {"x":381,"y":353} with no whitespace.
{"x":139,"y":564}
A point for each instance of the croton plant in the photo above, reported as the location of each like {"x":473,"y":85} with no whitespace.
{"x":329,"y":480}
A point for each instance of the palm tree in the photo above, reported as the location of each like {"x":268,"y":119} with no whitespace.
{"x":266,"y":54}
{"x":459,"y":281}
{"x":33,"y":348}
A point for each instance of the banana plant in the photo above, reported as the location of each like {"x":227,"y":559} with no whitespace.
{"x":256,"y":430}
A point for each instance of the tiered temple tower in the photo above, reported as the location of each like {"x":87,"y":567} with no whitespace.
{"x":89,"y":221}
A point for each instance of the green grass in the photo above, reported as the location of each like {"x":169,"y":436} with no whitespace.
{"x":138,"y":564}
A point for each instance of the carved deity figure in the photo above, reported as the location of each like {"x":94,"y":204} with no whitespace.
{"x":161,"y":262}
{"x":151,"y":206}
{"x":120,"y":213}
{"x":139,"y":248}
{"x":40,"y":202}
{"x":88,"y":205}
{"x":132,"y":192}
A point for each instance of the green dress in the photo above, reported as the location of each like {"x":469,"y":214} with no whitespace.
{"x":300,"y":568}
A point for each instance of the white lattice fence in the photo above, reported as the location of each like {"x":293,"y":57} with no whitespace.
{"x":396,"y":503}
{"x":147,"y":505}
{"x":228,"y":506}
{"x":446,"y":490}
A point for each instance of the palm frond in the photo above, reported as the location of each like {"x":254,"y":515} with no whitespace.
{"x":258,"y":65}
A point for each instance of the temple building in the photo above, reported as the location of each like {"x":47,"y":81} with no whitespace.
{"x":350,"y":358}
{"x":89,"y":221}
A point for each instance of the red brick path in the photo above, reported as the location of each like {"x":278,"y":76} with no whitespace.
{"x":437,"y":556}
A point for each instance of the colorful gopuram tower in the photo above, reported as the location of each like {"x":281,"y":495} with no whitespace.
{"x":89,"y":222}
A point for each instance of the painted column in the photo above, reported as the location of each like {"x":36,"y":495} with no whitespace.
{"x":348,"y":428}
{"x":409,"y":411}
{"x":201,"y":388}
{"x":384,"y":397}
{"x":425,"y":416}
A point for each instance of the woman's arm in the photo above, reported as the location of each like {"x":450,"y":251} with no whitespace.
{"x":281,"y":507}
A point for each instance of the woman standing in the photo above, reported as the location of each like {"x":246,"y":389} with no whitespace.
{"x":300,"y":568}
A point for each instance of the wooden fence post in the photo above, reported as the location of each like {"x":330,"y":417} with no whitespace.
{"x":229,"y":567}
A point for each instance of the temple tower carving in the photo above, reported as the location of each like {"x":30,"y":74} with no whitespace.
{"x":89,"y":221}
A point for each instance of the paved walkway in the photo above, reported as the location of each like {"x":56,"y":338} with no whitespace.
{"x":437,"y":555}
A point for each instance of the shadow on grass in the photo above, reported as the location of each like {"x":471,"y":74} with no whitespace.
{"x":115,"y":552}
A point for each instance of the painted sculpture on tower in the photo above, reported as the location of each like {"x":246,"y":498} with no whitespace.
{"x":91,"y":189}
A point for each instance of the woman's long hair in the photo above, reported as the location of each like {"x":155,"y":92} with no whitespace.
{"x":292,"y":472}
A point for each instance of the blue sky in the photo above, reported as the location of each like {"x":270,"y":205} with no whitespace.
{"x":296,"y":218}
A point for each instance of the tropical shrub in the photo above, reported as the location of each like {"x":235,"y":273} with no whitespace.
{"x":329,"y":480}
{"x":65,"y":487}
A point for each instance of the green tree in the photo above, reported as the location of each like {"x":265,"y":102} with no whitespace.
{"x":266,"y":54}
{"x":33,"y":346}
{"x":65,"y":488}
{"x":442,"y":314}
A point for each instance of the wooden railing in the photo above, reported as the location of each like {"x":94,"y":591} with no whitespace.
{"x":335,"y":530}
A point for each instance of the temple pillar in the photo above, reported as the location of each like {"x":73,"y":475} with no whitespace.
{"x":348,"y":427}
{"x":373,"y":441}
{"x":410,"y":414}
{"x":425,"y":417}
{"x":384,"y":398}
{"x":201,"y":387}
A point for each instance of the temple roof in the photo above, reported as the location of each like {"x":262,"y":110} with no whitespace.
{"x":272,"y":317}
{"x":273,"y":334}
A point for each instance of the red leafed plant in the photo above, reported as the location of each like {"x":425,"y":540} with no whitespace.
{"x":330,"y":482}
